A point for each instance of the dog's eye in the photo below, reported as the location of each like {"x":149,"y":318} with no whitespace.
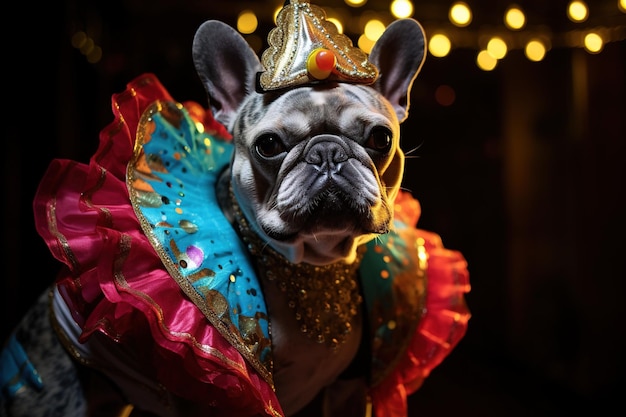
{"x":379,"y":139}
{"x":269,"y":145}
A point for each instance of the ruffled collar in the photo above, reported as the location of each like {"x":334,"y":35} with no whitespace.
{"x":172,"y":181}
{"x":152,"y":262}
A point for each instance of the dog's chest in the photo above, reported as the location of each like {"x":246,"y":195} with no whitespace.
{"x":302,"y":367}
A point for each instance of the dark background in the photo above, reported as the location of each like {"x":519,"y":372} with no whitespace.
{"x":523,"y":173}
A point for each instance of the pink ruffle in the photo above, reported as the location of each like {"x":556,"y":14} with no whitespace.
{"x":115,"y":283}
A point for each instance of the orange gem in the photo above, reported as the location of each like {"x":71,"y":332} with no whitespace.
{"x":325,"y":60}
{"x":320,"y":63}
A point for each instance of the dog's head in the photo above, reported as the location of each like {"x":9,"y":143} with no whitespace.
{"x":317,"y":167}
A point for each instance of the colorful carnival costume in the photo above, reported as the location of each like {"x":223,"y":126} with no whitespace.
{"x":161,"y":294}
{"x":153,"y":267}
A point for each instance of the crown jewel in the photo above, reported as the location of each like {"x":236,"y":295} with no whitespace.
{"x":304,"y":48}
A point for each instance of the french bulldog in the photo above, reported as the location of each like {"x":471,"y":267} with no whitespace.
{"x":314,"y":175}
{"x":315,"y":172}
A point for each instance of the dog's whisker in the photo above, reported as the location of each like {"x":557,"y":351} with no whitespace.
{"x":410,"y":151}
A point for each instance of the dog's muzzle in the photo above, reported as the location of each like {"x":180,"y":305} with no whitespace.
{"x":333,"y":185}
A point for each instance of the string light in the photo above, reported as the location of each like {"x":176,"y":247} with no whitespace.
{"x":439,"y":45}
{"x":355,"y":3}
{"x":535,"y":50}
{"x":401,"y":8}
{"x":497,"y":47}
{"x":514,"y":18}
{"x":486,"y":61}
{"x":247,"y":22}
{"x":373,"y":29}
{"x":593,"y":43}
{"x":577,"y":11}
{"x":460,"y":14}
{"x":493,"y":45}
{"x":365,"y":43}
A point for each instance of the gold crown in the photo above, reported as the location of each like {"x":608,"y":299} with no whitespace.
{"x":304,"y":48}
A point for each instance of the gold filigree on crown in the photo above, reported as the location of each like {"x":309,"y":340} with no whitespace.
{"x":304,"y":48}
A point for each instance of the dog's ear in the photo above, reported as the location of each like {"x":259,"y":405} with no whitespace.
{"x":227,"y":67}
{"x":399,"y":54}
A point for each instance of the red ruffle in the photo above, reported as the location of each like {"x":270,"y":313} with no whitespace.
{"x":441,"y":327}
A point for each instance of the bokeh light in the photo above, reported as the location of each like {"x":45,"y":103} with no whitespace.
{"x":373,"y":29}
{"x":460,"y":14}
{"x":355,"y":3}
{"x":577,"y":11}
{"x":401,"y":9}
{"x":439,"y":45}
{"x":593,"y":43}
{"x":535,"y":50}
{"x":485,"y":61}
{"x":497,"y":47}
{"x":514,"y":18}
{"x":337,"y":23}
{"x":247,"y":22}
{"x":445,"y":95}
{"x":365,"y":43}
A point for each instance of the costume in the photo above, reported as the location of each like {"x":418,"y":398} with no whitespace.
{"x":151,"y":263}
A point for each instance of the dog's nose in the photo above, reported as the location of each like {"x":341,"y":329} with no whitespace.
{"x":326,"y":150}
